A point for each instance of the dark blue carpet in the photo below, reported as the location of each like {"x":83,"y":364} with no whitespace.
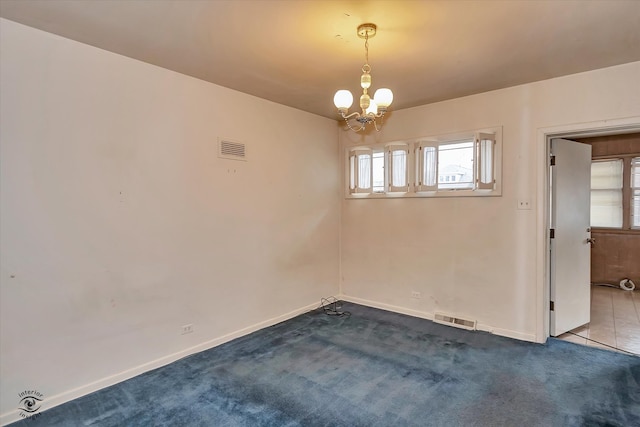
{"x":374,"y":368}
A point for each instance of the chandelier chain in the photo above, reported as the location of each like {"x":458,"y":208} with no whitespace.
{"x":366,"y":68}
{"x":366,"y":48}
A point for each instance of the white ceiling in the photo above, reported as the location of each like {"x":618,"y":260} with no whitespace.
{"x":298,"y":53}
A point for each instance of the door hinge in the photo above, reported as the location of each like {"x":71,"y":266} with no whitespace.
{"x":553,"y":160}
{"x":552,"y":233}
{"x":551,"y":306}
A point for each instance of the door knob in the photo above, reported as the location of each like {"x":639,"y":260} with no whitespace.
{"x":591,"y":240}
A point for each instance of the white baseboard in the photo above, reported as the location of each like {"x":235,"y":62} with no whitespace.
{"x":388,"y":307}
{"x":426,"y":315}
{"x":58,"y":399}
{"x":507,"y":333}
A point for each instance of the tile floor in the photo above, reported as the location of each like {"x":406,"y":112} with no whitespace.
{"x":615,"y":320}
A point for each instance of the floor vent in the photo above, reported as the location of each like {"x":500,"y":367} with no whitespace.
{"x":232,"y":150}
{"x":458,"y":322}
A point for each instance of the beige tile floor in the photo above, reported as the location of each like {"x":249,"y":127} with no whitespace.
{"x":615,"y":320}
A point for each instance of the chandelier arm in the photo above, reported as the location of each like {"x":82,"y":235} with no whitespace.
{"x":355,"y":115}
{"x":381,"y":122}
{"x":350,"y":127}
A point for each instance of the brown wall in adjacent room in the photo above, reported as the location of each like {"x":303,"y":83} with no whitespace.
{"x":615,"y":257}
{"x":616,"y":253}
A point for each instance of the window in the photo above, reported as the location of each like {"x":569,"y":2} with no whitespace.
{"x":427,"y":154}
{"x":466,"y":164}
{"x":378,"y":171}
{"x":615,"y":193}
{"x":456,"y":162}
{"x":606,"y":193}
{"x":460,"y":165}
{"x":635,"y":192}
{"x":486,"y":145}
{"x":367,"y":169}
{"x":398,"y":167}
{"x":360,"y":175}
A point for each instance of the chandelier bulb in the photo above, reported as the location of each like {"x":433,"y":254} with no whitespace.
{"x":383,"y":97}
{"x":343,"y":100}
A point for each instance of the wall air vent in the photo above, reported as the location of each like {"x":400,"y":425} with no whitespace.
{"x":232,"y":150}
{"x":458,"y":322}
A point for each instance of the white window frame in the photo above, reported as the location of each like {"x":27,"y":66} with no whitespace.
{"x":389,"y":150}
{"x":485,"y":146}
{"x":353,"y":177}
{"x":415,"y":166}
{"x":421,"y":166}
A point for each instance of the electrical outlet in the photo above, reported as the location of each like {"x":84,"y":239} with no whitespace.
{"x":187,"y":329}
{"x":524,"y":204}
{"x":416,"y":294}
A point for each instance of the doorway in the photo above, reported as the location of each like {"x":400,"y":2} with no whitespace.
{"x":611,"y":310}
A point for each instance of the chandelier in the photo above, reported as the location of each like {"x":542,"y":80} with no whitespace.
{"x":372,"y":109}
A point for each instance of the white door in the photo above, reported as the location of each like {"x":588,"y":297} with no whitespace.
{"x":570,"y":245}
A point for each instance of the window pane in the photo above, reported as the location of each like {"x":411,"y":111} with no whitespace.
{"x":606,"y":175}
{"x":606,"y":193}
{"x":378,"y":172}
{"x":635,"y":209}
{"x":455,"y":165}
{"x":635,"y":192}
{"x":364,"y":171}
{"x":606,"y":208}
{"x":486,"y":166}
{"x":399,"y":168}
{"x":429,"y":171}
{"x":635,"y":172}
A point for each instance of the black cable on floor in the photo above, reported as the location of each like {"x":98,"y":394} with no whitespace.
{"x":332,"y":307}
{"x":601,"y":343}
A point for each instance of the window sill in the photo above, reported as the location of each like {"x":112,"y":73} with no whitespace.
{"x":600,"y":230}
{"x":426,"y":195}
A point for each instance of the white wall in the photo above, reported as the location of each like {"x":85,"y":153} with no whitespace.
{"x":477,"y":257}
{"x":119,"y":224}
